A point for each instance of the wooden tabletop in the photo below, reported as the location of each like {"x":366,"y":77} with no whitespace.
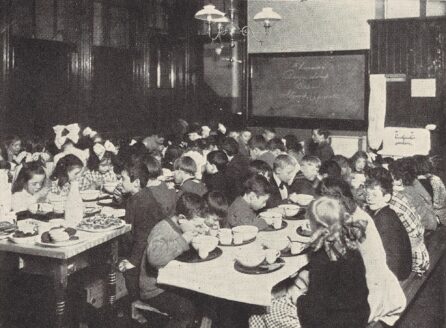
{"x":90,"y":240}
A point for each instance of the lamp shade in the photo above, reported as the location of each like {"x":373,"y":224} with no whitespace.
{"x":221,"y":20}
{"x":267,"y":13}
{"x":209,"y":13}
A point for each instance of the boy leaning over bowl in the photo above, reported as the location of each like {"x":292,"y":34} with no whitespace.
{"x":168,"y":239}
{"x":255,"y":195}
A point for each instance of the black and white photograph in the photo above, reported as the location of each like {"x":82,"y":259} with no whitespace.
{"x":222,"y":163}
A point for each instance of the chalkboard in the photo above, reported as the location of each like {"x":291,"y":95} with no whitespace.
{"x":327,"y":86}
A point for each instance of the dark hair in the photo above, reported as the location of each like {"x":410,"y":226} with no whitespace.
{"x":403,"y":169}
{"x":258,"y":185}
{"x":359,"y":154}
{"x":292,"y":143}
{"x":26,"y":173}
{"x":423,"y":165}
{"x":171,"y":154}
{"x":339,"y":189}
{"x":323,"y":132}
{"x":257,"y":141}
{"x":260,"y":167}
{"x":65,"y":164}
{"x":276,"y":144}
{"x":217,"y":204}
{"x":153,"y":167}
{"x":314,"y":160}
{"x":186,"y":164}
{"x":230,"y":146}
{"x":331,"y":168}
{"x":379,"y":176}
{"x":269,"y":129}
{"x":190,"y":205}
{"x":5,"y":145}
{"x":139,"y":171}
{"x":219,"y":159}
{"x":93,"y":161}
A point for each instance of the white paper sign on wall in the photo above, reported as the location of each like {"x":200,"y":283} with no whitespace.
{"x":406,"y":142}
{"x":423,"y":88}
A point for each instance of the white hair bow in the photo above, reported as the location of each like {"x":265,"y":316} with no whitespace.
{"x":66,"y":132}
{"x":205,"y":131}
{"x":100,"y":149}
{"x":221,"y":128}
{"x":89,"y":132}
{"x":132,"y":142}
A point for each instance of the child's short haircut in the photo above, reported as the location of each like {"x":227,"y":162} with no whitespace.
{"x":137,"y":170}
{"x":423,"y":165}
{"x":186,"y":164}
{"x":258,"y":142}
{"x":269,"y":129}
{"x":380,"y":177}
{"x":314,"y":160}
{"x":276,"y":144}
{"x":283,"y":161}
{"x":217,"y":204}
{"x":190,"y":205}
{"x":331,"y":169}
{"x":403,"y":169}
{"x":292,"y":143}
{"x":323,"y":132}
{"x":230,"y":146}
{"x":153,"y":167}
{"x":258,"y":185}
{"x":219,"y":159}
{"x":260,"y":167}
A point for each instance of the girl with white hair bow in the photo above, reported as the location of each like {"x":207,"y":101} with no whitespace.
{"x":66,"y":138}
{"x":99,"y":173}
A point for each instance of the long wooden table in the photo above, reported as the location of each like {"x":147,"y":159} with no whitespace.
{"x":59,"y":263}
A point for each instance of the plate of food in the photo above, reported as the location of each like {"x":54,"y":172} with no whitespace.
{"x":59,"y":237}
{"x":100,"y":223}
{"x":90,"y":211}
{"x":192,"y":256}
{"x":272,"y":228}
{"x":262,"y":268}
{"x":6,"y":229}
{"x":304,"y":231}
{"x":25,"y":233}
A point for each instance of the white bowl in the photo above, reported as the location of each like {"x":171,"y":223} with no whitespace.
{"x":41,"y":208}
{"x":251,"y":257}
{"x":247,"y":231}
{"x":90,"y":194}
{"x":279,"y":243}
{"x":290,"y":209}
{"x":205,"y":244}
{"x":302,"y":199}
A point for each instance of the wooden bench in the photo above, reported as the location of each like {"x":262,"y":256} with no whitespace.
{"x":436,"y":246}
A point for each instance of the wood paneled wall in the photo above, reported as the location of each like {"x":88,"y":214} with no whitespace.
{"x":415,"y":47}
{"x":156,"y":40}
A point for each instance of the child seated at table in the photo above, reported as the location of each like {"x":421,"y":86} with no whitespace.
{"x":217,"y":208}
{"x":67,"y":170}
{"x":307,"y":181}
{"x":167,"y":240}
{"x":165,"y":196}
{"x":255,"y":195}
{"x":184,"y":174}
{"x":334,"y":292}
{"x":215,"y":177}
{"x":260,"y":167}
{"x":99,"y":167}
{"x":285,"y":169}
{"x":143,"y":213}
{"x":29,"y":187}
{"x":393,"y":234}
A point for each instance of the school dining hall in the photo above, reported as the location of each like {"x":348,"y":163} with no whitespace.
{"x":222,"y":163}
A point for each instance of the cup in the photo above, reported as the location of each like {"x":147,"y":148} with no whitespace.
{"x":277,"y":222}
{"x":271,"y":255}
{"x":238,"y":238}
{"x":203,"y":254}
{"x":225,"y":236}
{"x":296,"y":247}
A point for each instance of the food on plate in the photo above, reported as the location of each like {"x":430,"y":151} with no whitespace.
{"x":41,"y":208}
{"x":304,"y":231}
{"x":100,"y":222}
{"x":7,"y":227}
{"x":59,"y":234}
{"x":26,"y":229}
{"x":90,"y":194}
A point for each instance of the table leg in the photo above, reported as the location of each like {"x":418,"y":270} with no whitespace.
{"x":60,"y":291}
{"x":111,"y":281}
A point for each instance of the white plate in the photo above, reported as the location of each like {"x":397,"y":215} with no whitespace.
{"x":4,"y":236}
{"x":23,"y":240}
{"x":102,"y":230}
{"x":66,"y":243}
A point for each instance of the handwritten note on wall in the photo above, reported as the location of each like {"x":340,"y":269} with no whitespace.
{"x":406,"y":142}
{"x":327,"y":86}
